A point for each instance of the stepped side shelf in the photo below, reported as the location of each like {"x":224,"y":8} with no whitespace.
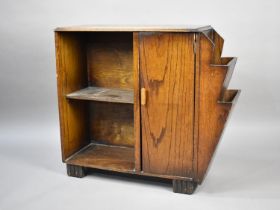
{"x":114,"y":95}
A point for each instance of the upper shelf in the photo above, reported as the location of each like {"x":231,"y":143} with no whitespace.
{"x":103,"y":94}
{"x":123,"y":28}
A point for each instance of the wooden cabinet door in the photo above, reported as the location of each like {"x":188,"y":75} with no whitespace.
{"x":167,"y":63}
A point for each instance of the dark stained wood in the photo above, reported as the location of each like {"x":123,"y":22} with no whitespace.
{"x":113,"y":158}
{"x":112,"y":123}
{"x":185,"y":187}
{"x":215,"y":102}
{"x":218,"y":42}
{"x":71,"y":76}
{"x":218,"y":48}
{"x":172,"y":177}
{"x":143,"y":100}
{"x":110,"y":60}
{"x":115,"y":95}
{"x":167,"y":73}
{"x":137,"y":118}
{"x":76,"y":171}
{"x":196,"y":102}
{"x":230,"y":96}
{"x":228,"y":64}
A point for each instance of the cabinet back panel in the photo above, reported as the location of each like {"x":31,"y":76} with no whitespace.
{"x":112,"y":123}
{"x":110,"y":59}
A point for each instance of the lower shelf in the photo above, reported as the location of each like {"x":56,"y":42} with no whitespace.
{"x":114,"y":158}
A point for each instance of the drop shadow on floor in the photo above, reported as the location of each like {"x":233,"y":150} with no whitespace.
{"x":133,"y":178}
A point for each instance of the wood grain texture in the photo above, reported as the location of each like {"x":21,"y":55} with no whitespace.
{"x":137,"y":118}
{"x":114,"y":95}
{"x":174,"y":134}
{"x":215,"y":102}
{"x":112,"y":123}
{"x":230,"y":97}
{"x":71,"y":76}
{"x":196,"y":102}
{"x":112,"y":158}
{"x":110,"y":60}
{"x":167,"y":73}
{"x":132,"y":28}
{"x":106,"y":157}
{"x":229,"y":64}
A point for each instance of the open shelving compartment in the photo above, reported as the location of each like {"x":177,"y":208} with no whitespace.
{"x":96,"y":90}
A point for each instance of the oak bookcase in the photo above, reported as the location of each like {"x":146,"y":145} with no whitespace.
{"x":150,"y":101}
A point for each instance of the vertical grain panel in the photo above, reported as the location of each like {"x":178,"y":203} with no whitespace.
{"x":137,"y":118}
{"x":71,"y":76}
{"x":110,"y":61}
{"x":167,"y":73}
{"x":212,"y":113}
{"x":196,"y":101}
{"x":112,"y":123}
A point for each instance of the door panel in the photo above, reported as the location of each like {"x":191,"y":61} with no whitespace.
{"x":167,"y":74}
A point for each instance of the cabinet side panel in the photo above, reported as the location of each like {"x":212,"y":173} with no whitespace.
{"x":215,"y":101}
{"x":196,"y":102}
{"x":71,"y":76}
{"x":167,"y":74}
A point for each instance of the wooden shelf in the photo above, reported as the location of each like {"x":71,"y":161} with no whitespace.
{"x":114,"y":158}
{"x":103,"y":94}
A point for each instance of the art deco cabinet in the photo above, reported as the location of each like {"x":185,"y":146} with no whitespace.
{"x":150,"y":101}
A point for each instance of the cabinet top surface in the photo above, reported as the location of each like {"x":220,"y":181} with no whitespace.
{"x":127,"y":28}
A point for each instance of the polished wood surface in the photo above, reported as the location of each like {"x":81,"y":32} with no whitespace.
{"x":110,"y":60}
{"x":196,"y":103}
{"x":114,"y":95}
{"x":215,"y":101}
{"x":137,"y":117}
{"x":112,"y":123}
{"x":151,"y":101}
{"x":113,"y":158}
{"x":167,"y":74}
{"x":132,"y":28}
{"x":71,"y":76}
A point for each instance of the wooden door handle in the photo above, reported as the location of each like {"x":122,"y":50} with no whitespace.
{"x":143,"y":96}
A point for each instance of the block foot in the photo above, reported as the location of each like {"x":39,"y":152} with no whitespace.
{"x":184,"y":187}
{"x":76,"y":171}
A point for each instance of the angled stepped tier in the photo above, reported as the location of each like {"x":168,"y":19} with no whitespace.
{"x":147,"y":101}
{"x":214,"y":101}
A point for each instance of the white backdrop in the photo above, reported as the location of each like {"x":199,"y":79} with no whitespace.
{"x":245,"y":172}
